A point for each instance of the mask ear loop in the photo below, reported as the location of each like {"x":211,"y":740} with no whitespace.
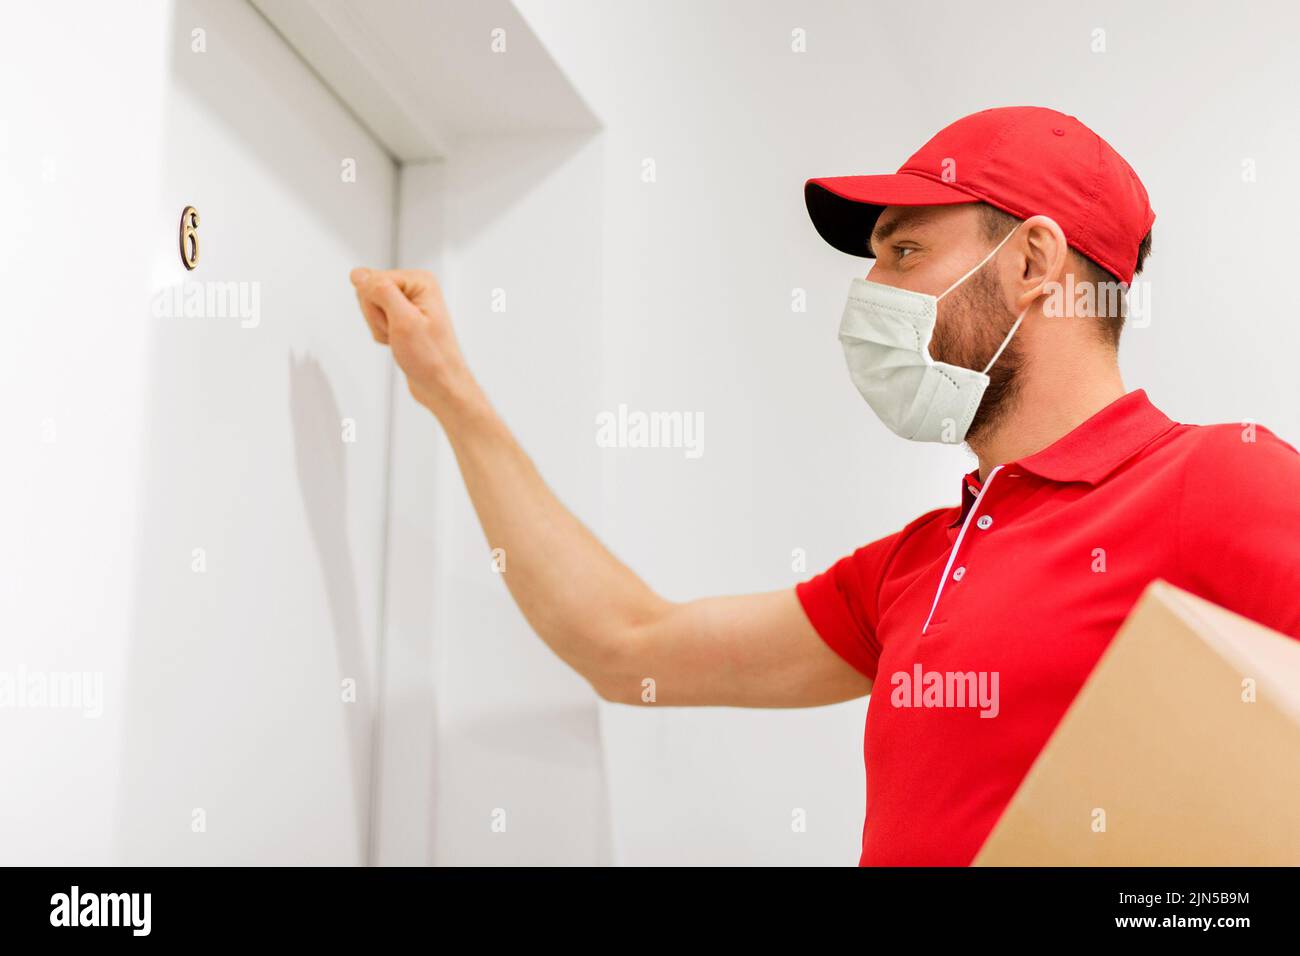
{"x":979,"y":265}
{"x":1005,"y":342}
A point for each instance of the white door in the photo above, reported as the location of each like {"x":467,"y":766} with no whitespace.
{"x":254,"y":658}
{"x":217,"y":561}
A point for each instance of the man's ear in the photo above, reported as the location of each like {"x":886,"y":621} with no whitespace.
{"x":1045,"y":250}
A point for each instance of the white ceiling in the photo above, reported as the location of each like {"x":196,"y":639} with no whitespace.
{"x":421,"y":73}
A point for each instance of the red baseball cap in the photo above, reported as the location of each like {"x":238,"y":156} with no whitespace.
{"x":1026,"y":161}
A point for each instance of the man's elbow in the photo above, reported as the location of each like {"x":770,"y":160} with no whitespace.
{"x":616,"y":678}
{"x":612,"y":692}
{"x":616,"y":685}
{"x":622,"y":670}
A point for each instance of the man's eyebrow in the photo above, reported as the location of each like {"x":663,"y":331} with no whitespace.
{"x":881,"y":233}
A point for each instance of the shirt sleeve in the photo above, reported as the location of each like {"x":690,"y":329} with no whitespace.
{"x":1239,"y":525}
{"x":842,"y":602}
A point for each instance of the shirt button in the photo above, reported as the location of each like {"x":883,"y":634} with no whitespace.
{"x":984,"y":522}
{"x":959,"y":573}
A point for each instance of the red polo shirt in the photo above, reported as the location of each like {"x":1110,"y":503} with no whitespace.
{"x":1023,"y":585}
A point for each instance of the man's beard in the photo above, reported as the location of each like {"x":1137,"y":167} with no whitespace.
{"x":973,"y":325}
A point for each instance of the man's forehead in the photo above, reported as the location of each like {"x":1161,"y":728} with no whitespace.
{"x":893,"y":218}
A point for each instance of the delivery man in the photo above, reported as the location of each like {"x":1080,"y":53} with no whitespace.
{"x":989,"y":318}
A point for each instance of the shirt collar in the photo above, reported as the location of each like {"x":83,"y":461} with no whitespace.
{"x":1090,"y":451}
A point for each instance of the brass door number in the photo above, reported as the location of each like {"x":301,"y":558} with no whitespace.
{"x":190,"y":237}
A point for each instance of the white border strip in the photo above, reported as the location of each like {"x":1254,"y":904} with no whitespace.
{"x":957,"y":544}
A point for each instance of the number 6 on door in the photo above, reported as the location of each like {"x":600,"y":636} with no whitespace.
{"x":190,"y":237}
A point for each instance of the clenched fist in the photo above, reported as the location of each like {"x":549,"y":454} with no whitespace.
{"x":405,"y":311}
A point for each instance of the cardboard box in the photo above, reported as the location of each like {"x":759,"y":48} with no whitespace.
{"x":1182,"y":749}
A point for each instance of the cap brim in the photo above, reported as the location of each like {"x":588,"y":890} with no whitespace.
{"x":844,"y":209}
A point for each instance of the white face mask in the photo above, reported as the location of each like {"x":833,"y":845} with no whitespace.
{"x":886,"y":337}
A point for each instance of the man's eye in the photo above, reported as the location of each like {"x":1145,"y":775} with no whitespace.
{"x":903,"y":250}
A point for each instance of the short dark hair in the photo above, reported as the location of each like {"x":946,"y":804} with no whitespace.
{"x":998,"y":223}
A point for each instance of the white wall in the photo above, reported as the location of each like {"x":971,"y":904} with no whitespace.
{"x":512,"y":736}
{"x":699,"y":268}
{"x":405,"y":818}
{"x":141,"y":438}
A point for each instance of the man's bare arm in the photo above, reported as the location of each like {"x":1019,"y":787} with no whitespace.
{"x":754,"y":650}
